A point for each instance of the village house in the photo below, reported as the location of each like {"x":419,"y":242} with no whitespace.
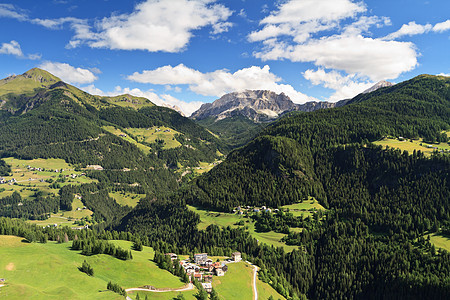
{"x":208,"y":262}
{"x":219,"y":272}
{"x":173,"y":256}
{"x":207,"y":286}
{"x":200,"y":258}
{"x":198,"y":276}
{"x":236,"y":256}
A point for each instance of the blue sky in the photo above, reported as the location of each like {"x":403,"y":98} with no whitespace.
{"x":187,"y":52}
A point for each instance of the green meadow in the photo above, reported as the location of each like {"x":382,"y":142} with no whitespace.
{"x":410,"y":146}
{"x":238,"y":284}
{"x":441,"y":241}
{"x":50,"y":271}
{"x":126,"y":137}
{"x":150,"y":135}
{"x":225,"y":219}
{"x":304,"y":208}
{"x":126,"y":198}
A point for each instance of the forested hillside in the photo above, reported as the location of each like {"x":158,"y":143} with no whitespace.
{"x":381,"y":203}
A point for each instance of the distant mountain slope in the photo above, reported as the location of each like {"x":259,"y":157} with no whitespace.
{"x":41,"y":116}
{"x":419,"y":107}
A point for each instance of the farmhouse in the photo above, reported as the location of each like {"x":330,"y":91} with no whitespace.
{"x":207,"y":286}
{"x":236,"y":256}
{"x":172,"y":256}
{"x":200,"y":258}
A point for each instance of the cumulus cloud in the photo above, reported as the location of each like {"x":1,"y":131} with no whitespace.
{"x":300,"y":19}
{"x":409,"y":29}
{"x":12,"y":48}
{"x":154,"y":25}
{"x":345,"y":87}
{"x":291,"y":32}
{"x":162,"y":100}
{"x":441,"y":27}
{"x":69,"y":73}
{"x":219,"y":82}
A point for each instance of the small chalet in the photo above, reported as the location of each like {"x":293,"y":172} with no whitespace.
{"x":200,"y":258}
{"x":219,"y":272}
{"x":198,"y":276}
{"x":236,"y":256}
{"x":208,"y":262}
{"x":172,"y":256}
{"x":207,"y":286}
{"x":207,"y":278}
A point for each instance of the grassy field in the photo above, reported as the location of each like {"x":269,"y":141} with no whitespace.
{"x":28,"y":182}
{"x":224,"y":219}
{"x":129,"y":101}
{"x":125,"y":198}
{"x":304,"y":208}
{"x":441,"y":241}
{"x":188,"y":295}
{"x":127,"y":138}
{"x":410,"y":146}
{"x":50,"y":271}
{"x":149,"y":135}
{"x":237,"y":284}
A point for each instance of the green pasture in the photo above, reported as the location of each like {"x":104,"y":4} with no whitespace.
{"x":150,"y":135}
{"x":441,"y":241}
{"x":237,"y":282}
{"x":188,"y":295}
{"x":304,"y":208}
{"x":225,"y":219}
{"x":126,"y":198}
{"x":50,"y":271}
{"x":410,"y":146}
{"x":127,"y":138}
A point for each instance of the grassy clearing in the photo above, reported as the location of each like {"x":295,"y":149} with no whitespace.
{"x":410,"y":146}
{"x":188,"y":295}
{"x":224,"y":219}
{"x":50,"y":271}
{"x":125,"y":198}
{"x":265,"y":291}
{"x":237,"y":283}
{"x":304,"y":208}
{"x":150,"y":135}
{"x":129,"y":101}
{"x":441,"y":241}
{"x":124,"y":135}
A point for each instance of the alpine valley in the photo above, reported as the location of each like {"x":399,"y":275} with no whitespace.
{"x":345,"y":200}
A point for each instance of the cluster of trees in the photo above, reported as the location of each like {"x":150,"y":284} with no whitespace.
{"x":94,"y":246}
{"x":281,"y":221}
{"x":116,"y":288}
{"x":37,"y":208}
{"x":86,"y":268}
{"x":173,"y":266}
{"x":5,"y":169}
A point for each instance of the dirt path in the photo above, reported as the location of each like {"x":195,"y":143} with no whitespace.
{"x":187,"y":287}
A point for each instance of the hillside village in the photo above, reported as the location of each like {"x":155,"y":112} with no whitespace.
{"x":202,"y":269}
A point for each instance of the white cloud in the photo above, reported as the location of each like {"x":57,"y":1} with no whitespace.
{"x":345,"y":87}
{"x":154,"y":25}
{"x":441,"y":27}
{"x":69,"y":73}
{"x":409,"y":29}
{"x":219,"y":82}
{"x":444,"y":74}
{"x":186,"y":107}
{"x":12,"y":48}
{"x":291,"y":32}
{"x":374,"y":58}
{"x":300,"y":19}
{"x":10,"y":11}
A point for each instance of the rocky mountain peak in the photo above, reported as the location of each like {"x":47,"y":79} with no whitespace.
{"x":378,"y":85}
